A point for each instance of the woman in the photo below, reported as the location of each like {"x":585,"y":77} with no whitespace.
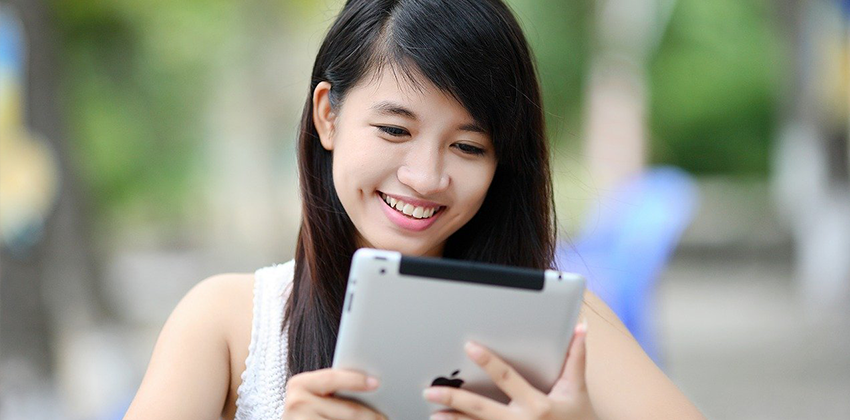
{"x":422,"y":133}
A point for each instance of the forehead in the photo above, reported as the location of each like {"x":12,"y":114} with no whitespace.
{"x":413,"y":91}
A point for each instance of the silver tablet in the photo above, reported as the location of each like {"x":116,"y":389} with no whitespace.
{"x":405,"y":320}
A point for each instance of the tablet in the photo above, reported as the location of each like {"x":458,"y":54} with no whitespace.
{"x":405,"y":320}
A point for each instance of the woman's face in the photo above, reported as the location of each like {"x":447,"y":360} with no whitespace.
{"x":410,"y":166}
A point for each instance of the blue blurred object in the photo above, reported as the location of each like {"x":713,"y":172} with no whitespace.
{"x":11,"y":44}
{"x":627,"y":242}
{"x":118,"y":410}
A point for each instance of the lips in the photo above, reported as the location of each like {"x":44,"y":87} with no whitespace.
{"x":405,"y":206}
{"x":408,"y":220}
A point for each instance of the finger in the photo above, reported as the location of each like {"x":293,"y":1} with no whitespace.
{"x":502,"y":374}
{"x":573,"y":376}
{"x":468,"y":403}
{"x":576,"y":363}
{"x":325,"y":382}
{"x":340,"y":409}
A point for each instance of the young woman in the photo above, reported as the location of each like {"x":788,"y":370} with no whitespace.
{"x":423,"y":133}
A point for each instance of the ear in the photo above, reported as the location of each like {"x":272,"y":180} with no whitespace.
{"x":324,"y":118}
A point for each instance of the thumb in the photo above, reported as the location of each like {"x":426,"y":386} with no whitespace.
{"x":572,"y":378}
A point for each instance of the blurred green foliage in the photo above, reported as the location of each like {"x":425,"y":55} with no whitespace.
{"x":560,"y":36}
{"x":715,"y":85}
{"x":136,"y":76}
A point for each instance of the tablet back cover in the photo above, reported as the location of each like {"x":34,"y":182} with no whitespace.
{"x":405,"y":321}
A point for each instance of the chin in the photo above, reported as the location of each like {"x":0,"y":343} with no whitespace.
{"x":406,"y":247}
{"x":409,"y":250}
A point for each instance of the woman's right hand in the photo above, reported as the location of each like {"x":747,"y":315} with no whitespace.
{"x":310,"y":396}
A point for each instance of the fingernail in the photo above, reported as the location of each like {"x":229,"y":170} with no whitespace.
{"x":441,"y":416}
{"x":474,"y":351}
{"x":433,"y":394}
{"x":372,"y":382}
{"x":582,"y":326}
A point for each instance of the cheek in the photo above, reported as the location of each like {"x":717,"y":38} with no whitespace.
{"x":360,"y":163}
{"x":476,"y":183}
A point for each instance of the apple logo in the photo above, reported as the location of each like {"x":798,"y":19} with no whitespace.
{"x":452,"y":382}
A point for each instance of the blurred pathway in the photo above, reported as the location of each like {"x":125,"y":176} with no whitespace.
{"x":742,"y":346}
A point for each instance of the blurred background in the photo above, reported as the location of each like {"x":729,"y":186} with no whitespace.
{"x":700,"y":154}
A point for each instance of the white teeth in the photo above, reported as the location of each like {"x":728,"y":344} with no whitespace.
{"x":409,"y":209}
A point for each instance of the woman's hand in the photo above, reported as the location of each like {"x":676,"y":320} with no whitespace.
{"x":309,"y":396}
{"x":568,"y":399}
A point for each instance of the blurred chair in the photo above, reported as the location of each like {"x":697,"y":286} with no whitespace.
{"x":626,"y":243}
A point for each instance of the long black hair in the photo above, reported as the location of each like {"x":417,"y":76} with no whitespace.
{"x":473,"y":50}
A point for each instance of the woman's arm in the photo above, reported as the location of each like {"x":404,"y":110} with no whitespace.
{"x":622,"y":381}
{"x":189,"y":372}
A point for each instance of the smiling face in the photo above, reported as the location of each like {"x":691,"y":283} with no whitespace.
{"x":410,"y":165}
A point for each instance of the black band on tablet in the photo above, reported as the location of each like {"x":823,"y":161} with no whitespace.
{"x":471,"y":272}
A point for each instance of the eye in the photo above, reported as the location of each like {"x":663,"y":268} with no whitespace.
{"x":470,"y":149}
{"x":393,"y":131}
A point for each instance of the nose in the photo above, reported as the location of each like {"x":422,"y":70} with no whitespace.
{"x":423,"y":172}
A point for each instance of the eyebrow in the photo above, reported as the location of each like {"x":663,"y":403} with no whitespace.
{"x":392,"y":108}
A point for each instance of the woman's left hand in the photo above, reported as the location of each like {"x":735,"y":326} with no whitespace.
{"x":568,"y":399}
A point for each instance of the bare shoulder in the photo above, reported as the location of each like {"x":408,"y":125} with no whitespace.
{"x":222,"y":304}
{"x":193,"y":352}
{"x":623,"y":382}
{"x":234,"y":297}
{"x":229,"y":299}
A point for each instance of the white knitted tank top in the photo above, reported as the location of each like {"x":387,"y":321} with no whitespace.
{"x":261,"y":394}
